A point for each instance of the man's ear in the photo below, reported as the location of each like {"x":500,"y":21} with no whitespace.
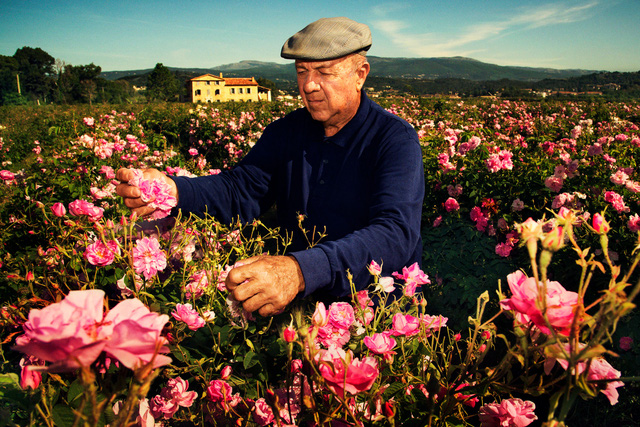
{"x":361,"y":74}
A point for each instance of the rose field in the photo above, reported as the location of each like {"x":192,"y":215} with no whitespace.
{"x":522,"y":312}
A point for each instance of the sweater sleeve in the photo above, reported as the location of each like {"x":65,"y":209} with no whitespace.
{"x":240,"y":193}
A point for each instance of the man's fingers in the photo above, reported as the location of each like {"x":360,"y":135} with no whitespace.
{"x":124,"y":175}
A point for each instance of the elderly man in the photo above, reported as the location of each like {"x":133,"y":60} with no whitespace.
{"x":343,"y":162}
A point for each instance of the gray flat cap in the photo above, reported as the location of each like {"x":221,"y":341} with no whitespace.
{"x":328,"y":38}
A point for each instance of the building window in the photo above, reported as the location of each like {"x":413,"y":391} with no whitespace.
{"x":248,"y":90}
{"x":217,"y":92}
{"x":197,"y":92}
{"x":208,"y":83}
{"x":232,"y":90}
{"x":240,"y":90}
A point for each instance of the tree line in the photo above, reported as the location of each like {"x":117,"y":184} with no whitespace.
{"x":32,"y":75}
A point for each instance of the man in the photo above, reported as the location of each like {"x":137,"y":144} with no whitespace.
{"x":343,"y":162}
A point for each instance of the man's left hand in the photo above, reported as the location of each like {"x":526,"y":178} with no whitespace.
{"x":266,"y":283}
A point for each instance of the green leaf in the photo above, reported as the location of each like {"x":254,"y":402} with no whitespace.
{"x":250,"y":360}
{"x":62,"y":415}
{"x":75,"y":391}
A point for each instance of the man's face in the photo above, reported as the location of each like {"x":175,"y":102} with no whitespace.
{"x":331,"y":89}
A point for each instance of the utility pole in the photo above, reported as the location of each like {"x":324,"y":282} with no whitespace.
{"x":18,"y":80}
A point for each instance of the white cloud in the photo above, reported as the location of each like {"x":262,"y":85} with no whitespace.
{"x":434,"y":44}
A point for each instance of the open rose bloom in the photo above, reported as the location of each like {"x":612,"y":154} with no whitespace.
{"x":74,"y":332}
{"x":525,"y":305}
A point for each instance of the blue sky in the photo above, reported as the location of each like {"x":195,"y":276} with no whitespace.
{"x":119,"y":35}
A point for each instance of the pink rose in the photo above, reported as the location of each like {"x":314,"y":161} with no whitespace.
{"x":99,"y":254}
{"x":186,"y":314}
{"x":225,"y":374}
{"x":599,"y":369}
{"x":626,"y":343}
{"x":600,"y":225}
{"x":148,"y":258}
{"x":70,"y":333}
{"x":136,"y":338}
{"x":374,"y":268}
{"x":509,"y":412}
{"x":380,"y":343}
{"x":345,"y":374}
{"x":405,"y":325}
{"x":82,"y":207}
{"x":176,"y":393}
{"x":289,"y":334}
{"x":413,"y":277}
{"x":341,"y":315}
{"x":160,"y":407}
{"x":7,"y":175}
{"x":58,"y":209}
{"x":262,"y":413}
{"x":451,"y":204}
{"x":30,"y":378}
{"x":560,"y":303}
{"x":219,"y":391}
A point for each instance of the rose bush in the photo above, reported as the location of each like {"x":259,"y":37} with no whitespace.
{"x":164,"y":343}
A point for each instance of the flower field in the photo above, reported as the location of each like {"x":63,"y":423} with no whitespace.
{"x":521,"y":314}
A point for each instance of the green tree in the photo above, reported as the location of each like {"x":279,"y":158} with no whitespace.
{"x":162,"y":84}
{"x":36,"y":70}
{"x":8,"y":81}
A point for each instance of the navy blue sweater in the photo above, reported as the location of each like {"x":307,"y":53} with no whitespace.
{"x":365,"y":185}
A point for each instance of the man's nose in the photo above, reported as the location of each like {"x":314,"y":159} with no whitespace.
{"x":310,"y":84}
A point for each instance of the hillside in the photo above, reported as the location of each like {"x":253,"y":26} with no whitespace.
{"x":412,"y":68}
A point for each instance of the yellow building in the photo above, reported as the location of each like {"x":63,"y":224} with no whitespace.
{"x":210,"y":88}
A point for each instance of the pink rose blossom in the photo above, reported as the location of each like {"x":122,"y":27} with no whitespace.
{"x":616,"y":201}
{"x":136,"y":338}
{"x":176,"y":391}
{"x":262,"y":413}
{"x":68,"y":333}
{"x":405,"y":324}
{"x":100,"y":255}
{"x":503,"y":249}
{"x":148,"y":258}
{"x":380,"y":343}
{"x":30,"y":378}
{"x":58,"y":209}
{"x":219,"y":391}
{"x":600,"y":225}
{"x":386,"y":284}
{"x":560,"y":303}
{"x":508,"y":413}
{"x":345,"y":374}
{"x":599,"y":369}
{"x":554,"y":183}
{"x":451,"y":204}
{"x":634,"y":223}
{"x":413,"y":277}
{"x":82,"y":207}
{"x":6,"y":175}
{"x":156,"y":193}
{"x":626,"y":343}
{"x":320,"y":316}
{"x":185,"y":313}
{"x":341,"y":315}
{"x":517,"y":205}
{"x":374,"y":268}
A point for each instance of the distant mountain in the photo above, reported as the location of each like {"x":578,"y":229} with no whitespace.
{"x":412,"y":68}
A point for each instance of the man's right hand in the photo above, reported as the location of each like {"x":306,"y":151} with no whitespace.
{"x":131,"y":194}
